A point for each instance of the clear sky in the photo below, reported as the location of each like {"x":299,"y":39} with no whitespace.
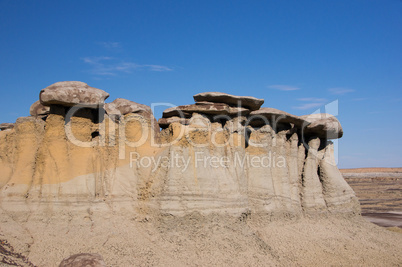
{"x":299,"y":55}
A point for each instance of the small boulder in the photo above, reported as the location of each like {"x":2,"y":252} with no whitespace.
{"x":72,"y":93}
{"x":83,"y":260}
{"x":38,"y":109}
{"x":322,"y":125}
{"x":6,"y":126}
{"x":248,"y":102}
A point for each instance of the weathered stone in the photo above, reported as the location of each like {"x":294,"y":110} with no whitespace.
{"x":312,"y":191}
{"x":197,"y":186}
{"x":199,"y":121}
{"x":121,"y":106}
{"x":72,"y":93}
{"x":248,"y":102}
{"x":236,"y":126}
{"x":205,"y":108}
{"x":26,"y":119}
{"x":6,"y":126}
{"x":338,"y":195}
{"x":38,"y":109}
{"x":273,"y":116}
{"x":322,"y":125}
{"x":175,"y":112}
{"x":83,"y":260}
{"x":165,"y":122}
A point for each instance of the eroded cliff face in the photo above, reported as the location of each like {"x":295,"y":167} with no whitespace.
{"x":232,"y":164}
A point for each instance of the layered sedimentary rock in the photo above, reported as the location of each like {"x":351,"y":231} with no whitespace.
{"x":215,"y":156}
{"x":201,"y":174}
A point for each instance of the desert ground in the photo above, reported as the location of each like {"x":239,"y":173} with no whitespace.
{"x":196,"y":240}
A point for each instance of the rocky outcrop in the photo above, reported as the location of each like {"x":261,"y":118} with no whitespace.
{"x":83,"y":260}
{"x":247,"y":102}
{"x":210,"y":157}
{"x":72,"y":93}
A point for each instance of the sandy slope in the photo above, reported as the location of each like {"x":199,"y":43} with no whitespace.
{"x":195,"y":240}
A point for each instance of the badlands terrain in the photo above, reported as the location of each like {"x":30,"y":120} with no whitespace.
{"x":220,"y":182}
{"x":380,"y":193}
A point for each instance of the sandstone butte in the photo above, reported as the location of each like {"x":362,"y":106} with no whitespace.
{"x":78,"y":169}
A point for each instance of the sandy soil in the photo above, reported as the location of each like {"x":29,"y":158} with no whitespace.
{"x":124,"y":240}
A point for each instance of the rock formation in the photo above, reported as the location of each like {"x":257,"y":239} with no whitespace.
{"x":224,"y":154}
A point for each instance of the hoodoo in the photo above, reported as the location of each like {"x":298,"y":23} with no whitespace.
{"x":224,"y":154}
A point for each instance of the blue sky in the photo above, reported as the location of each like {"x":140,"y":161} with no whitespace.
{"x":297,"y":55}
